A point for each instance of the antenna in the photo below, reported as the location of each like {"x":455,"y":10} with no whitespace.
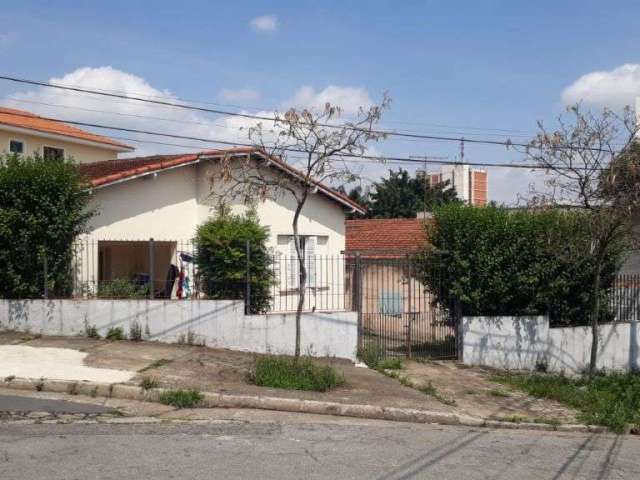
{"x":462,"y":150}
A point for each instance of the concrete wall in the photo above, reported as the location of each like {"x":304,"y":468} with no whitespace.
{"x":219,"y":323}
{"x":522,"y":343}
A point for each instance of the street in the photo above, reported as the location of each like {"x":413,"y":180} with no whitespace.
{"x":266,"y":445}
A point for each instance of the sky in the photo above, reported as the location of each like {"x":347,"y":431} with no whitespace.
{"x":478,"y":69}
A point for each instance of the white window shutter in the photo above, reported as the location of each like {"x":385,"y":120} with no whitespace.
{"x":292,"y":268}
{"x":310,"y":259}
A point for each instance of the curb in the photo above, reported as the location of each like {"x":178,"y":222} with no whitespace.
{"x":295,"y":405}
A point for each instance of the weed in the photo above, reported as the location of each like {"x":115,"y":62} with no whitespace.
{"x":294,"y":374}
{"x":390,"y":364}
{"x":91,"y":331}
{"x":40,"y":384}
{"x":470,"y":391}
{"x":548,"y":421}
{"x":406,"y":381}
{"x":73,"y":389}
{"x":371,"y":354}
{"x":432,"y":391}
{"x":512,"y":419}
{"x":156,"y":364}
{"x":181,"y":398}
{"x":10,"y":378}
{"x":115,"y":333}
{"x":495,"y":392}
{"x":147,"y":383}
{"x":135,"y":332}
{"x":611,"y":400}
{"x":190,"y":338}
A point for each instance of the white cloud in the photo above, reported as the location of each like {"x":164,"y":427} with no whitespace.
{"x":238,"y":95}
{"x":350,"y":99}
{"x":265,"y":23}
{"x":615,"y":88}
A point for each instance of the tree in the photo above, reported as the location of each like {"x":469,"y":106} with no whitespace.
{"x":358,"y":195}
{"x":588,"y":156}
{"x":323,"y":147}
{"x":43,"y":208}
{"x":222,"y":261}
{"x":403,"y":196}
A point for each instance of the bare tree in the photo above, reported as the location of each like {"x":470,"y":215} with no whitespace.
{"x":590,"y":158}
{"x":323,"y":149}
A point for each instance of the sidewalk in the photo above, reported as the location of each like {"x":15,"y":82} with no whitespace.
{"x":224,"y":372}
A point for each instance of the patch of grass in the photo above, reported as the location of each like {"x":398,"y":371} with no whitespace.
{"x":470,"y":391}
{"x":495,"y":392}
{"x":390,"y":364}
{"x":548,"y":421}
{"x":115,"y":334}
{"x":190,"y":338}
{"x":135,"y":332}
{"x":291,"y":374}
{"x":611,"y":400}
{"x":148,"y":383}
{"x":432,"y":391}
{"x":91,"y":331}
{"x":181,"y":398}
{"x":371,"y":354}
{"x":512,"y":419}
{"x":156,"y":364}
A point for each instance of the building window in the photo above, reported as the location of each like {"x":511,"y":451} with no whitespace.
{"x":51,"y":153}
{"x":16,"y":146}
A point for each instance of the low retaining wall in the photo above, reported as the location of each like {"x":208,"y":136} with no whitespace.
{"x":524,"y":343}
{"x":217,"y":323}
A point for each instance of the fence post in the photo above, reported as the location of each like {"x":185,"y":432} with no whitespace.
{"x":45,"y":273}
{"x":357,"y":290}
{"x":247,"y":281}
{"x":151,"y":268}
{"x":409,"y":299}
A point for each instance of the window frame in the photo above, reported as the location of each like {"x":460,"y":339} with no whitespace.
{"x":53,"y":148}
{"x":24,"y":146}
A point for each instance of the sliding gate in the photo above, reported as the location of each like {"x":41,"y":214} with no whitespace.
{"x":397,"y":314}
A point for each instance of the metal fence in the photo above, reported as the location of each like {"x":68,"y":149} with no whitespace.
{"x":624,"y":298}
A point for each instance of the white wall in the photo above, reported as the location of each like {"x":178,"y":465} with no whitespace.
{"x":220,"y":323}
{"x":521,"y":343}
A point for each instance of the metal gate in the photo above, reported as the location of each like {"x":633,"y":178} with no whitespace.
{"x":397,"y":314}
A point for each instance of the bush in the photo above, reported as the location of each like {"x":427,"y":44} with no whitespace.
{"x":181,"y":398}
{"x":43,"y":208}
{"x":611,"y":400}
{"x":494,"y":261}
{"x":122,"y":288}
{"x":371,"y":354}
{"x":222,"y":263}
{"x":291,"y":374}
{"x":115,"y":334}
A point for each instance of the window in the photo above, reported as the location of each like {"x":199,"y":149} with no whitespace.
{"x":390,"y":302}
{"x":308,"y":246}
{"x":51,"y":153}
{"x":16,"y":146}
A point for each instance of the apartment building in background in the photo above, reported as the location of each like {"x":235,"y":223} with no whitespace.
{"x":471,"y":184}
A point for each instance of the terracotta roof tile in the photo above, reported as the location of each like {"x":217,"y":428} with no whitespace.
{"x":22,"y":119}
{"x":385,"y":237}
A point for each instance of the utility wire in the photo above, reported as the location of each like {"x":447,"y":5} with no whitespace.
{"x":507,"y":144}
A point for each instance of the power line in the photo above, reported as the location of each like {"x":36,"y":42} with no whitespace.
{"x":352,"y":157}
{"x":507,"y":144}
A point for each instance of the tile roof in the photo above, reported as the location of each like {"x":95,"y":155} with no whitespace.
{"x":385,"y":237}
{"x":104,"y":173}
{"x":30,"y":121}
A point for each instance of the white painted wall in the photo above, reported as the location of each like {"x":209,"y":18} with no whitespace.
{"x":520,"y":343}
{"x":219,"y":323}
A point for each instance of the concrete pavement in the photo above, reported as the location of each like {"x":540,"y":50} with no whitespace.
{"x":20,"y":403}
{"x":269,"y":445}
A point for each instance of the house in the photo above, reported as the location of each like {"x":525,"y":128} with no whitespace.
{"x":24,"y":133}
{"x":166,"y":197}
{"x":471,"y":184}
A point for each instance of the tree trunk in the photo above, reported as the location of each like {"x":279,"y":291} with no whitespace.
{"x":595,"y":316}
{"x":303,"y":275}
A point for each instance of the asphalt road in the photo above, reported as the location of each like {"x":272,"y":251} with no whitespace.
{"x":14,"y":403}
{"x":290,"y":448}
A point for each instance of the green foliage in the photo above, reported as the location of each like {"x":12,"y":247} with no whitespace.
{"x":371,"y":354}
{"x":43,"y":208}
{"x":122,"y":288}
{"x":148,"y":383}
{"x":135,"y":332}
{"x":294,"y":374}
{"x":115,"y":333}
{"x":222,"y":262}
{"x":391,"y":363}
{"x":612,"y":400}
{"x":92,"y":331}
{"x":403,"y":196}
{"x":181,"y":398}
{"x":500,"y":262}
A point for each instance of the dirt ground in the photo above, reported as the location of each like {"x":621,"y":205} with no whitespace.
{"x":225,"y":371}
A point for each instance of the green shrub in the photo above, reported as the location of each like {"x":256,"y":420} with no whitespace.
{"x":181,"y":398}
{"x":612,"y":400}
{"x":43,"y":208}
{"x":371,"y":354}
{"x":91,"y":331}
{"x":391,"y":363}
{"x":115,"y":333}
{"x":122,"y":288}
{"x":495,"y":261}
{"x":222,"y":263}
{"x":291,"y":374}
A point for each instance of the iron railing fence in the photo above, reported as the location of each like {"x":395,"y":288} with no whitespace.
{"x":624,"y":298}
